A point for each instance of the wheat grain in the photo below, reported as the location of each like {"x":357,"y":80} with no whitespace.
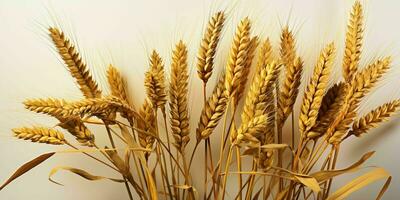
{"x":212,"y":112}
{"x":315,"y":90}
{"x":75,"y":65}
{"x":237,"y":57}
{"x":178,"y":92}
{"x":155,"y":81}
{"x":40,"y":134}
{"x":208,"y":46}
{"x":353,"y":43}
{"x":374,"y":118}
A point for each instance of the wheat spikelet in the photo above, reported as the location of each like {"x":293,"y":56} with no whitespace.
{"x":208,"y":46}
{"x":40,"y":134}
{"x":89,"y":107}
{"x":289,"y":90}
{"x":374,"y":118}
{"x":155,"y":81}
{"x":253,"y":130}
{"x":246,"y":70}
{"x":146,"y":123}
{"x":259,"y":96}
{"x":117,"y":84}
{"x":237,"y":57}
{"x":264,"y":55}
{"x":212,"y":112}
{"x":353,"y":43}
{"x":50,"y":106}
{"x":315,"y":90}
{"x":178,"y":96}
{"x":75,"y":64}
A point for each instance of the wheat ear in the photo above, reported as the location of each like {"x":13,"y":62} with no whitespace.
{"x":147,"y":123}
{"x":213,"y":111}
{"x":237,"y":57}
{"x":155,"y":81}
{"x":288,"y":47}
{"x":49,"y":106}
{"x":253,"y":130}
{"x":40,"y":134}
{"x":75,"y":65}
{"x":362,"y":83}
{"x":77,"y":128}
{"x":264,"y":55}
{"x":208,"y":46}
{"x":117,"y":84}
{"x":315,"y":90}
{"x":246,"y":70}
{"x":259,"y":95}
{"x":289,"y":90}
{"x":353,"y":42}
{"x":374,"y":118}
{"x":178,"y":100}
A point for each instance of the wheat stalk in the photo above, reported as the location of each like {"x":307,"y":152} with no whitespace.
{"x":213,"y":111}
{"x":374,"y":118}
{"x":237,"y":57}
{"x":208,"y":46}
{"x":353,"y":43}
{"x":178,"y":91}
{"x":155,"y":81}
{"x":315,"y":90}
{"x":75,"y":64}
{"x":40,"y":134}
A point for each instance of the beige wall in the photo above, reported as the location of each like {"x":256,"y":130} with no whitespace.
{"x":123,"y":32}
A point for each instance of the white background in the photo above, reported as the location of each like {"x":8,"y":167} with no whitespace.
{"x":124,"y":32}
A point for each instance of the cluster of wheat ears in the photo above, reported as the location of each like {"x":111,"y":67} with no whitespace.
{"x":155,"y":167}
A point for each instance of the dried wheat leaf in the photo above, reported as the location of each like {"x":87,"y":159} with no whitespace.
{"x":310,"y":182}
{"x":26,"y":167}
{"x":361,"y":182}
{"x":81,"y":173}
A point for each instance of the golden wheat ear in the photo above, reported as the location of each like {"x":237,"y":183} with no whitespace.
{"x":117,"y":84}
{"x":353,"y":44}
{"x":208,"y":46}
{"x":75,"y":64}
{"x":178,"y":100}
{"x":237,"y":57}
{"x":316,"y":89}
{"x":155,"y":81}
{"x":146,"y":123}
{"x":213,"y":111}
{"x":40,"y":135}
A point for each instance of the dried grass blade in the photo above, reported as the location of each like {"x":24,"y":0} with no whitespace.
{"x":26,"y":167}
{"x":81,"y":173}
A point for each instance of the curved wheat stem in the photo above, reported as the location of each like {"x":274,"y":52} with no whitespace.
{"x":237,"y":57}
{"x":315,"y":90}
{"x":208,"y":46}
{"x":353,"y":43}
{"x":178,"y":96}
{"x":40,"y":135}
{"x":75,"y":65}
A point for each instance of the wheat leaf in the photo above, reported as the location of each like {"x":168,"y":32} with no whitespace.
{"x":81,"y":173}
{"x":361,"y":182}
{"x":26,"y":167}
